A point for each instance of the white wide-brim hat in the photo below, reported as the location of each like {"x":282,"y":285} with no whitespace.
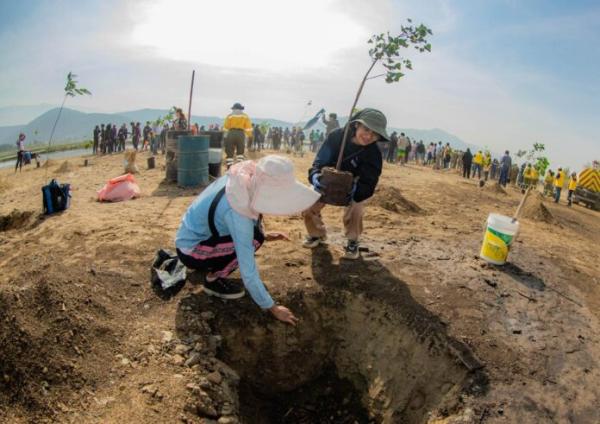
{"x":276,"y":190}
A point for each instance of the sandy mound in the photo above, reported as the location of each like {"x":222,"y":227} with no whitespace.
{"x":15,"y":219}
{"x":65,"y":167}
{"x":535,"y":209}
{"x":495,"y":188}
{"x":48,"y":163}
{"x":390,"y":198}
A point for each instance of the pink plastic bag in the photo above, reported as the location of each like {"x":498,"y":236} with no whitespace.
{"x":118,"y":189}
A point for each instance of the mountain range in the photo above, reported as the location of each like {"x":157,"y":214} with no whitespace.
{"x":75,"y":125}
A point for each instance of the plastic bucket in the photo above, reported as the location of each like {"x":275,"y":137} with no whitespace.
{"x":498,"y":238}
{"x":171,"y":156}
{"x":192,"y":160}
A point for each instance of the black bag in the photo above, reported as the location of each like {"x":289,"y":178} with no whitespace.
{"x":56,"y":197}
{"x":168,"y":274}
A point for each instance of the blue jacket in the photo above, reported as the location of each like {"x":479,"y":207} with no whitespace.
{"x":194,"y":229}
{"x":364,"y":162}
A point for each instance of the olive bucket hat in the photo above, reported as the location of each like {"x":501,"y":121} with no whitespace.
{"x":373,"y":120}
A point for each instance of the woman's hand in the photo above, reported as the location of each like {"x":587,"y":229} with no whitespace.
{"x":284,"y":314}
{"x":276,"y":236}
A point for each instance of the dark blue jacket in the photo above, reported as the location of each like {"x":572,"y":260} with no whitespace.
{"x":364,"y":162}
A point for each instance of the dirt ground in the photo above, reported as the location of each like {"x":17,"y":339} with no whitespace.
{"x":418,"y":330}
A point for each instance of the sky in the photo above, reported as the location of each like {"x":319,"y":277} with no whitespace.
{"x":502,"y":74}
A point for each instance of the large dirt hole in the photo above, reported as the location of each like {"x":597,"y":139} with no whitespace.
{"x":351,"y":359}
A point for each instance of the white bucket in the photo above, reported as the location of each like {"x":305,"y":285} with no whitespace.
{"x":215,"y":155}
{"x":498,"y":237}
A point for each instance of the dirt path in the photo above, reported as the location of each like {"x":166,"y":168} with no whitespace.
{"x":85,"y":339}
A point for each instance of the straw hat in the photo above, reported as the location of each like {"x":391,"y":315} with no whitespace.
{"x":267,"y":187}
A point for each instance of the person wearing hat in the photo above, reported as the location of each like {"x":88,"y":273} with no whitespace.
{"x":222,"y":228}
{"x":363,"y":159}
{"x":331,"y":123}
{"x":237,"y":127}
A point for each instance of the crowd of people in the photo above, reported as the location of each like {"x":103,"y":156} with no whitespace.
{"x":108,"y":139}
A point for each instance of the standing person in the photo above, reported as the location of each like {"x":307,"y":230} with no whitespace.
{"x":559,"y":182}
{"x":487,"y":165}
{"x":146,"y":133}
{"x":420,"y":153}
{"x":572,"y":187}
{"x":403,"y":149}
{"x":548,"y":182}
{"x":113,"y":138}
{"x":393,"y":148}
{"x":447,"y":155}
{"x":363,"y":159}
{"x":163,"y":138}
{"x":494,"y":169}
{"x":257,"y":133}
{"x":122,"y":135}
{"x":156,"y":130}
{"x":321,"y":140}
{"x":467,"y":161}
{"x":181,"y":123}
{"x":331,"y":123}
{"x":96,"y":140}
{"x":20,"y":152}
{"x":237,"y":127}
{"x":410,"y":149}
{"x":102,"y":139}
{"x":505,"y":165}
{"x":222,"y":229}
{"x":439,"y":155}
{"x":137,"y":133}
{"x":107,"y":131}
{"x":477,"y":164}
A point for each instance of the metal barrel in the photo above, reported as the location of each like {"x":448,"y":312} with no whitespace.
{"x":192,"y":158}
{"x":171,"y":156}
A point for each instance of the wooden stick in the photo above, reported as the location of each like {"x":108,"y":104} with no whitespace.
{"x":190,"y":105}
{"x":516,"y":215}
{"x":338,"y":166}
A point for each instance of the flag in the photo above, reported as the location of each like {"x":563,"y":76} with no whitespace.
{"x":314,"y":119}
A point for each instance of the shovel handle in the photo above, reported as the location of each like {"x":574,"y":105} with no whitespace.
{"x":518,"y":212}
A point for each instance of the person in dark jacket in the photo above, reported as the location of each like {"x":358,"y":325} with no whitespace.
{"x":393,"y":149}
{"x":467,"y":161}
{"x":363,"y":159}
{"x":96,"y":140}
{"x":331,"y":123}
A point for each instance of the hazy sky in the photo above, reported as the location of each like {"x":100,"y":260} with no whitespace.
{"x":502,"y":73}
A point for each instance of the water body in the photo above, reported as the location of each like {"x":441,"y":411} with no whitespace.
{"x":54,"y":155}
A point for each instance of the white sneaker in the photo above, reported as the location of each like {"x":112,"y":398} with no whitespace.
{"x":312,"y":242}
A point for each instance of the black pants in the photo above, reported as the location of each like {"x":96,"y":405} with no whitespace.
{"x":19,"y":163}
{"x":467,"y":170}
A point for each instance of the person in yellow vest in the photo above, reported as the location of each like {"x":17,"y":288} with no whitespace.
{"x":548,"y":180}
{"x":559,"y":182}
{"x":535,"y":177}
{"x":572,"y":187}
{"x":487,"y":165}
{"x":527,"y":175}
{"x":237,"y":127}
{"x":477,"y":164}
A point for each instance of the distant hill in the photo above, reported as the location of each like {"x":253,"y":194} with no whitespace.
{"x":75,"y":126}
{"x":21,"y":115}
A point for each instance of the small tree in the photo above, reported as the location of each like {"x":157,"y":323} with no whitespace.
{"x":536,"y":155}
{"x":71,"y":90}
{"x":386,"y":50}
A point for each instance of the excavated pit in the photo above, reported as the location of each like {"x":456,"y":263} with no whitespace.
{"x":351,"y":359}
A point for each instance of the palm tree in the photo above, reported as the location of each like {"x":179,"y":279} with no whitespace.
{"x":71,"y":90}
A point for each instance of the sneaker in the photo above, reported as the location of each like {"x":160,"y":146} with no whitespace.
{"x":312,"y":242}
{"x":351,"y":250}
{"x":223,"y":288}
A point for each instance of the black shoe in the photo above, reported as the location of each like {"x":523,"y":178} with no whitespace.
{"x":351,"y":250}
{"x":223,"y":288}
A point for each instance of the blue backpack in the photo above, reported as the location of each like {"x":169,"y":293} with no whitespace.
{"x":56,"y":197}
